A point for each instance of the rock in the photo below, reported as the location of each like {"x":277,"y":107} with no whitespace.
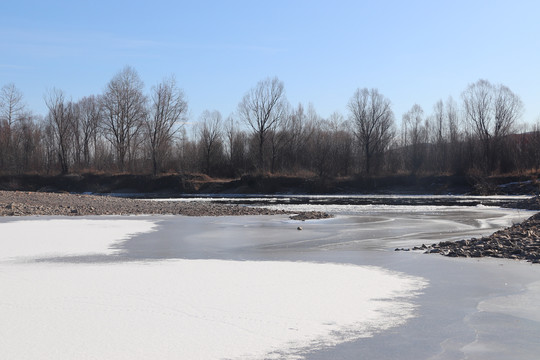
{"x":520,"y":242}
{"x":41,"y":203}
{"x":311,"y":215}
{"x":299,"y":228}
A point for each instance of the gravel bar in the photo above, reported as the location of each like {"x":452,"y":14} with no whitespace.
{"x":19,"y":203}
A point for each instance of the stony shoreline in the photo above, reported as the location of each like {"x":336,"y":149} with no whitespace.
{"x":519,"y":241}
{"x":20,"y":203}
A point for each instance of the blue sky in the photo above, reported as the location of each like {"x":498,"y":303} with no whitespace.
{"x":412,"y":51}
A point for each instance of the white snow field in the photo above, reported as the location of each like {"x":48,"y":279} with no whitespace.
{"x":56,"y":306}
{"x":66,"y":237}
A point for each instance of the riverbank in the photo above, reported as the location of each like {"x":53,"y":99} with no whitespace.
{"x":184,"y":184}
{"x":518,"y":242}
{"x":19,"y":203}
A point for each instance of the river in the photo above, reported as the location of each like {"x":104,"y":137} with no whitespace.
{"x":169,"y":287}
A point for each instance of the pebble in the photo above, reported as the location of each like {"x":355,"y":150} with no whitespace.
{"x":41,"y":203}
{"x":519,"y":242}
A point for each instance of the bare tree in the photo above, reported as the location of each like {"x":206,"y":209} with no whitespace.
{"x":49,"y":147}
{"x":299,"y":129}
{"x":77,"y":134}
{"x":453,"y":120}
{"x":278,"y":138}
{"x":90,"y":119}
{"x":124,"y":110}
{"x":343,"y":143}
{"x":322,"y":149}
{"x":438,"y":137}
{"x":261,"y":108}
{"x":236,"y":147}
{"x":210,"y":132}
{"x":373,"y":118}
{"x":439,"y":124}
{"x":11,"y":104}
{"x":5,"y":145}
{"x":535,"y":147}
{"x":60,"y":119}
{"x":455,"y":135}
{"x":508,"y":109}
{"x":415,"y":137}
{"x":186,"y":152}
{"x":230,"y":131}
{"x":11,"y":111}
{"x":28,"y":143}
{"x":168,"y":111}
{"x":491,"y":110}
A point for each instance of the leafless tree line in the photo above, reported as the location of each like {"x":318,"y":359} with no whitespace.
{"x":126,"y":130}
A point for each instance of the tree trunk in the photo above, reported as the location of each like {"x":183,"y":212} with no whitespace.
{"x":261,"y":153}
{"x":368,"y":158}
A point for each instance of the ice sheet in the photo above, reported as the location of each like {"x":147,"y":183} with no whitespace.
{"x":194,"y":309}
{"x":179,"y":309}
{"x":66,"y":237}
{"x":127,"y":307}
{"x":522,"y":305}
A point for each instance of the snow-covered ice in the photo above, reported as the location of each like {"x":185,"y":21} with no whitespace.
{"x":66,"y":237}
{"x":174,"y":287}
{"x":179,"y":309}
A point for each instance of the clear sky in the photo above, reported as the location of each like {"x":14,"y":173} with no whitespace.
{"x":412,"y":51}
